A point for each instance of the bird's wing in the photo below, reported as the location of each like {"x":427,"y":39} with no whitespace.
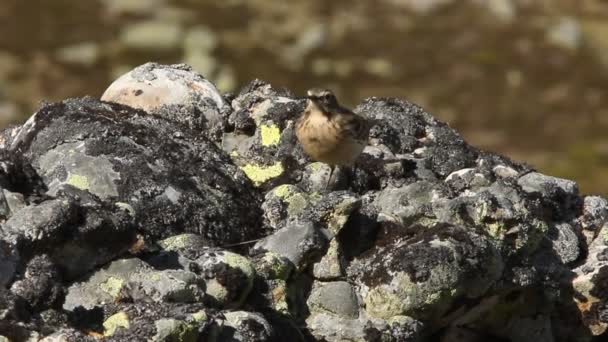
{"x":355,"y":126}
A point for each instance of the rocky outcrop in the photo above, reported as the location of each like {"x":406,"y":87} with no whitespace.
{"x":179,"y":214}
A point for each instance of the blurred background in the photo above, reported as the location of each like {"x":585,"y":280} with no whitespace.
{"x":525,"y":78}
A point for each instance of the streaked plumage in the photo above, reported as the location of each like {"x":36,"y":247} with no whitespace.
{"x":330,"y":133}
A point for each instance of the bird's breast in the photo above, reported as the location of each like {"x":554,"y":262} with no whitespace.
{"x":323,"y":140}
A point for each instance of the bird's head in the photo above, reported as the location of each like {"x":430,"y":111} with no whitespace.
{"x":323,"y":98}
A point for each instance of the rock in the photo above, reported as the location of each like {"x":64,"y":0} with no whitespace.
{"x":283,"y":202}
{"x":271,"y":284}
{"x":9,"y":260}
{"x":565,"y":243}
{"x":146,"y":222}
{"x":13,"y":314}
{"x":590,"y":288}
{"x":528,"y":329}
{"x":93,"y":174}
{"x":169,"y":329}
{"x":466,"y":179}
{"x":40,"y":223}
{"x":298,"y":242}
{"x":263,"y":142}
{"x":200,"y":193}
{"x":408,"y":203}
{"x":14,"y":201}
{"x":115,"y":322}
{"x":338,"y":298}
{"x":407,"y":129}
{"x":228,"y":276}
{"x":547,"y":185}
{"x":66,"y":335}
{"x":173,"y":92}
{"x":245,"y":326}
{"x":331,"y":266}
{"x":595,"y":212}
{"x":273,"y":266}
{"x":132,"y":279}
{"x":40,"y":286}
{"x":403,"y":281}
{"x":560,"y":194}
{"x":502,"y":171}
{"x":153,"y":322}
{"x":316,"y":177}
{"x":333,"y":328}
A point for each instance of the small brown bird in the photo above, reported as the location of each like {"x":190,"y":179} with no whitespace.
{"x":329,"y":132}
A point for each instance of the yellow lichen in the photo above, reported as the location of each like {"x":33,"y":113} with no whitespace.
{"x":283,"y":190}
{"x":199,"y":316}
{"x":78,"y":181}
{"x":119,"y":320}
{"x":112,"y":286}
{"x":316,"y":166}
{"x":270,"y":135}
{"x":260,"y":174}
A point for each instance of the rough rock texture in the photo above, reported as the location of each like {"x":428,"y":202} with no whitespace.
{"x":201,"y":219}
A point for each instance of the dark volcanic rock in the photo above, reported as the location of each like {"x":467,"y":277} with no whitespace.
{"x":168,"y":178}
{"x":139,"y":225}
{"x":41,"y":283}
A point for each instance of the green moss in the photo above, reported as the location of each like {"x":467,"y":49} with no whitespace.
{"x":112,"y":286}
{"x":271,"y":135}
{"x":78,"y":181}
{"x":260,"y":174}
{"x":118,"y":320}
